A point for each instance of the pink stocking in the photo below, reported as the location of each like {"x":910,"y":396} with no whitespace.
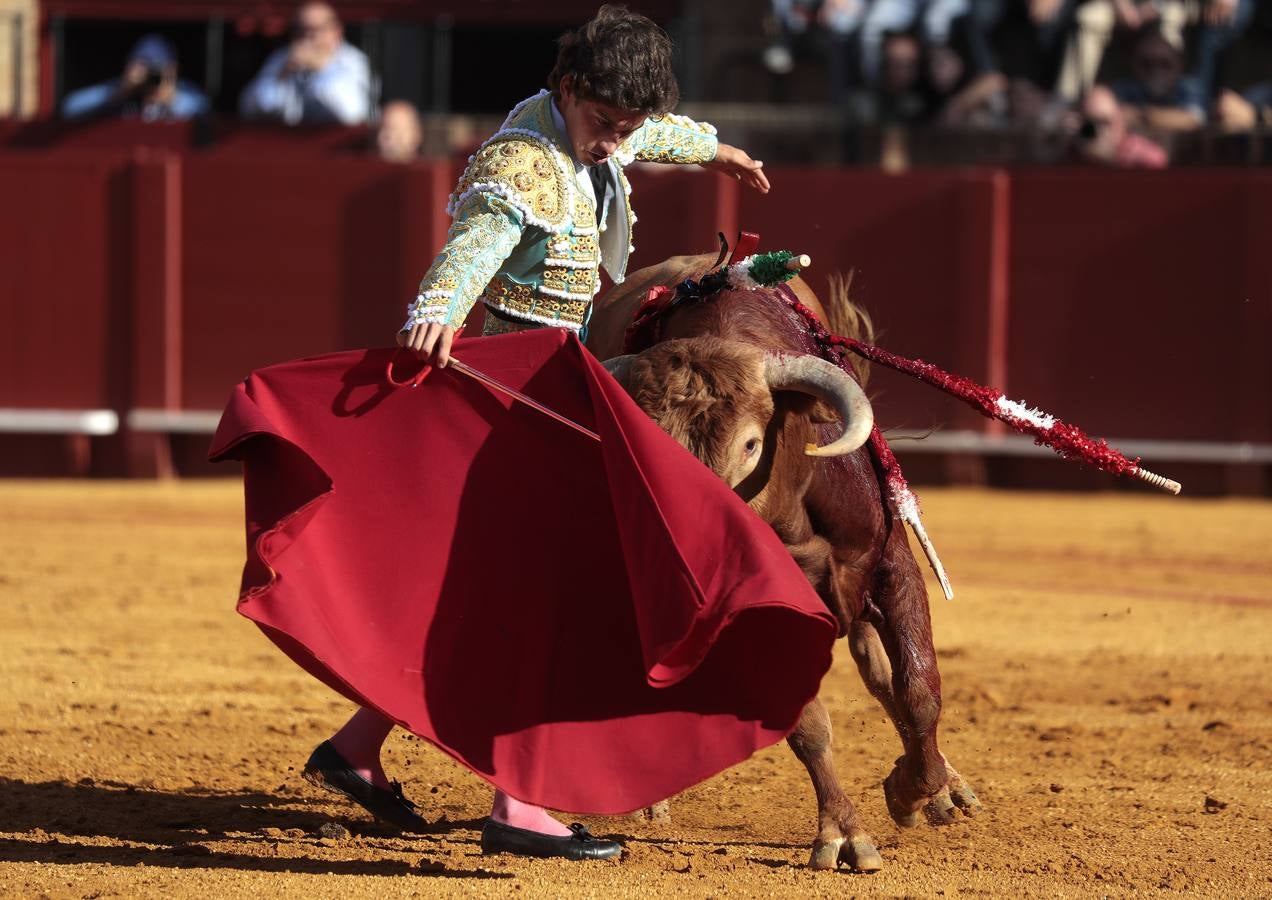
{"x":359,"y":742}
{"x":513,"y":812}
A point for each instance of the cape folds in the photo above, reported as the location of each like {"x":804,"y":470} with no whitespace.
{"x":589,"y":626}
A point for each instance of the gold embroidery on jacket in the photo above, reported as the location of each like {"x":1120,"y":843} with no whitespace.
{"x":522,"y":167}
{"x":523,"y":300}
{"x":480,"y":229}
{"x":496,"y":325}
{"x":677,"y":139}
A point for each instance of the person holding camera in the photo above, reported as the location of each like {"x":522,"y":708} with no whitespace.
{"x":148,"y":89}
{"x":317,"y":79}
{"x":1104,"y":136}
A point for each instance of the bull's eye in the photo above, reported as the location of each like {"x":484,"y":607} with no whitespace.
{"x":752,"y":446}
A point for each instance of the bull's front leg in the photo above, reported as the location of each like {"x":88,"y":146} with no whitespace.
{"x":897,"y":661}
{"x":840,"y":837}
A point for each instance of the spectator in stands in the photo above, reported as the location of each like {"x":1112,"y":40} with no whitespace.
{"x":148,"y":89}
{"x":918,"y":85}
{"x":933,"y":18}
{"x":793,"y":19}
{"x":317,"y":78}
{"x":983,"y":103}
{"x":1106,"y":139}
{"x":1097,"y":20}
{"x":1244,"y":111}
{"x":400,"y":135}
{"x":1222,"y":22}
{"x":1159,"y":95}
{"x":829,"y":28}
{"x":946,"y":68}
{"x":901,"y":94}
{"x":1020,"y":39}
{"x":994,"y":101}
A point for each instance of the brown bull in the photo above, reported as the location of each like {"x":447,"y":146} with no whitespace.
{"x":733,"y":379}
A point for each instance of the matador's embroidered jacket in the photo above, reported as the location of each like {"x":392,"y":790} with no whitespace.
{"x":524,"y":237}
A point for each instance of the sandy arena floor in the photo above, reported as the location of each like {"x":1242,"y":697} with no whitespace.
{"x":1108,"y":691}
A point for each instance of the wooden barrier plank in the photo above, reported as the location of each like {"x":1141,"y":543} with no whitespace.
{"x":295,"y":258}
{"x":1128,"y":300}
{"x":680,"y":210}
{"x":64,"y":286}
{"x":1254,"y":351}
{"x":1115,"y":300}
{"x":923,"y":253}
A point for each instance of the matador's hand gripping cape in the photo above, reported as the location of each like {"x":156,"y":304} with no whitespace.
{"x":590,"y":626}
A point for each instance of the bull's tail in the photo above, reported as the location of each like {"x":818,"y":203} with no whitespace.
{"x":850,"y":320}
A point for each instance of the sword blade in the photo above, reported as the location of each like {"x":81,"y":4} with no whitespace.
{"x":515,"y":394}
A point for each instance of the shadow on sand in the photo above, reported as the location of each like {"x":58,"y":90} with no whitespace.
{"x":182,"y":823}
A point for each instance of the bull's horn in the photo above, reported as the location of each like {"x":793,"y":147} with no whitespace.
{"x":827,"y":382}
{"x":619,"y":366}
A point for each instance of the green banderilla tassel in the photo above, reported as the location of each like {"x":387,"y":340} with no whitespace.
{"x":771,"y":269}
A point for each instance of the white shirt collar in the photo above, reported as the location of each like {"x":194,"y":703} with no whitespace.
{"x":559,"y":121}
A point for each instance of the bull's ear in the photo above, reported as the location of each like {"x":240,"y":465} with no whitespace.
{"x":620,"y":367}
{"x":822,"y":413}
{"x":818,"y":411}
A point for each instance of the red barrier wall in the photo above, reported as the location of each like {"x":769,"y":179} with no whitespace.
{"x":296,"y":258}
{"x":927,"y":259}
{"x":1134,"y":305}
{"x":1140,"y":303}
{"x":64,"y":278}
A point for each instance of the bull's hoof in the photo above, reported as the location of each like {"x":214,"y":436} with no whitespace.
{"x":904,"y":814}
{"x":962,"y":795}
{"x":860,"y":853}
{"x":659,"y":812}
{"x":826,"y":854}
{"x":940,"y":809}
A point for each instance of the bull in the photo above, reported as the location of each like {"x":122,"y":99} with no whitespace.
{"x":737,"y":380}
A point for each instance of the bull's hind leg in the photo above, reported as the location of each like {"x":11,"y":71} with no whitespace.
{"x":876,"y":672}
{"x":840,"y":837}
{"x":897,"y":661}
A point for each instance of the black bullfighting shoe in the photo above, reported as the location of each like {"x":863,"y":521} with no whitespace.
{"x":496,"y":837}
{"x":328,"y":769}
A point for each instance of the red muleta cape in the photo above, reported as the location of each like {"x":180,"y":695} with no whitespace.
{"x":589,"y":626}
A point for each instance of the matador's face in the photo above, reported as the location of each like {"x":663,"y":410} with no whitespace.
{"x":595,"y":129}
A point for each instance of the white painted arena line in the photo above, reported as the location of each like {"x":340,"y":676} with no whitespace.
{"x":904,"y":441}
{"x":58,"y":421}
{"x":174,"y":421}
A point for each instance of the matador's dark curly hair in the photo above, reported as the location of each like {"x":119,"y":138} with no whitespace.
{"x":621,"y":59}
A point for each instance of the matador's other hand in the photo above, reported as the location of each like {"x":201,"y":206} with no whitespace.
{"x":430,"y":342}
{"x":734,"y":163}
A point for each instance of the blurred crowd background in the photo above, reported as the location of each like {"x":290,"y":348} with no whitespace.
{"x":891,"y":83}
{"x":1123,"y":82}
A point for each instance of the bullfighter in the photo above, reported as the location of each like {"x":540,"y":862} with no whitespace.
{"x":541,"y":207}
